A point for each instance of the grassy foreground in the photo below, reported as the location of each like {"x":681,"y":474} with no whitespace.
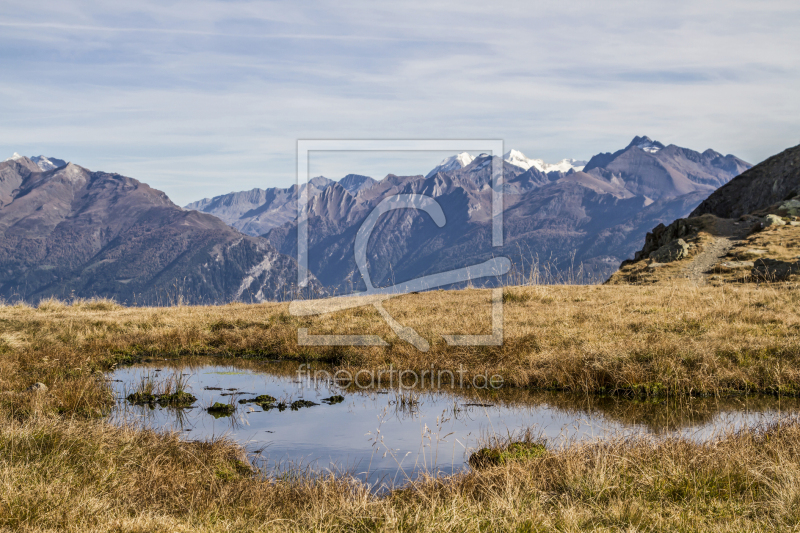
{"x":674,"y":340}
{"x":89,"y":476}
{"x":62,"y":467}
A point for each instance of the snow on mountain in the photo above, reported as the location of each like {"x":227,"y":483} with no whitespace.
{"x":44,"y":163}
{"x":452,"y":163}
{"x":646,"y":143}
{"x":48,"y":163}
{"x":518,"y":159}
{"x":565,"y":165}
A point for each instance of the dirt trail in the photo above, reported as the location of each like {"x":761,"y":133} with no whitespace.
{"x":727,"y":232}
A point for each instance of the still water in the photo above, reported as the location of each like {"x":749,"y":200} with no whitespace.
{"x":387,"y":435}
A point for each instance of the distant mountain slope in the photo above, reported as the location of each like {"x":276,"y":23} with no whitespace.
{"x":257,"y":211}
{"x":651,"y":169}
{"x":72,"y":232}
{"x":581,"y":225}
{"x":763,"y":185}
{"x":355,"y":183}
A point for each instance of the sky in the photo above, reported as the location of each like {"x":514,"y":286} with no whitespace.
{"x":199,"y":98}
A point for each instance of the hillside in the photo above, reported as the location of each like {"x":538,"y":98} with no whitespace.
{"x":746,"y":231}
{"x":776,"y":179}
{"x":72,"y":232}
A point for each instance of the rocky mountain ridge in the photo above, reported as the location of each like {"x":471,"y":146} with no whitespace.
{"x":70,"y":232}
{"x":579,"y":226}
{"x":67,"y":231}
{"x":747,"y":230}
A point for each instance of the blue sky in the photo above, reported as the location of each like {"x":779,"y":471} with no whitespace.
{"x":201,"y":98}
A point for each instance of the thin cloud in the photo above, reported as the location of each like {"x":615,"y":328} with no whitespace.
{"x":201,"y":98}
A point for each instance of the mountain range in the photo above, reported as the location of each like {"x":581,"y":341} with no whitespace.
{"x":69,"y":232}
{"x":574,"y":219}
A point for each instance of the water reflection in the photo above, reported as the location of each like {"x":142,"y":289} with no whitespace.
{"x":389,"y":435}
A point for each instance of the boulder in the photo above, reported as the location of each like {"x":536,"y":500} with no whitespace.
{"x":664,"y":235}
{"x":37,"y":387}
{"x":729,"y":266}
{"x":773,"y":220}
{"x":672,"y":251}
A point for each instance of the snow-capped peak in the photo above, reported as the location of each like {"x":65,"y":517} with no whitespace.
{"x":452,"y":163}
{"x":518,"y":159}
{"x":46,"y":163}
{"x":646,"y":143}
{"x":565,"y":165}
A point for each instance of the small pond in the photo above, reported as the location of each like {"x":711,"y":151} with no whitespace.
{"x":385,"y":435}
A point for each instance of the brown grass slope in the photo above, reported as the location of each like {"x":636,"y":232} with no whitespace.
{"x":62,"y":468}
{"x":664,"y":340}
{"x":72,"y":475}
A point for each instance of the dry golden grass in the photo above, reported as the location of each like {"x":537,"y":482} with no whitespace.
{"x":777,"y":243}
{"x":675,"y":340}
{"x":88,"y":476}
{"x":62,"y":468}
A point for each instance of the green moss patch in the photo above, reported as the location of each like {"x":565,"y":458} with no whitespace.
{"x":219,"y":410}
{"x":516,"y":451}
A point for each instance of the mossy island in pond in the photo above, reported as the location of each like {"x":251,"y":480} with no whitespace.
{"x":179,"y":398}
{"x":219,"y":410}
{"x":516,"y":451}
{"x":265,"y":401}
{"x":166,"y":392}
{"x":333,"y":399}
{"x":174,"y":399}
{"x":297,"y":404}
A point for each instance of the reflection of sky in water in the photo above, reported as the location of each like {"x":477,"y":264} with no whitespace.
{"x":369,"y":432}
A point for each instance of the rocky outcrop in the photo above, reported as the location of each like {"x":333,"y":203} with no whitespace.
{"x":790,"y":208}
{"x":773,"y":181}
{"x":37,"y":387}
{"x":663,"y":240}
{"x":768,"y":269}
{"x":773,"y":220}
{"x":672,"y":251}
